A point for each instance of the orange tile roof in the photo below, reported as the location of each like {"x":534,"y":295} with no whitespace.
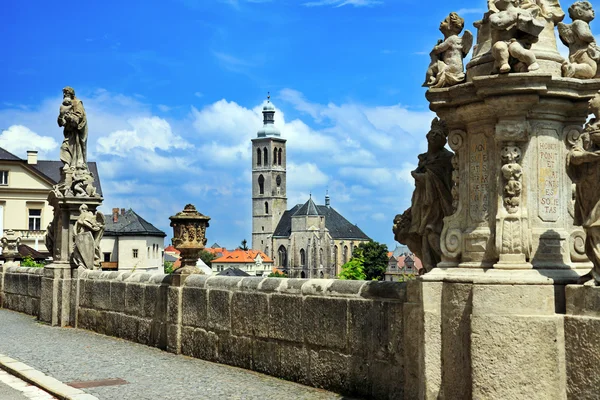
{"x":171,"y":249}
{"x":241,"y":256}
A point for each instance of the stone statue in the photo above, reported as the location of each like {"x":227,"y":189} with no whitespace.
{"x":73,"y":151}
{"x":88,"y":229}
{"x":446,"y":67}
{"x":583,"y":167}
{"x":421,"y":225}
{"x":10,"y":245}
{"x":82,"y":183}
{"x":584,"y":53}
{"x":514,"y":30}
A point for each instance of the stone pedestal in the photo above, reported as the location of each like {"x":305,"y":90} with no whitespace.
{"x":582,"y":332}
{"x":481,"y":335}
{"x":510,"y":134}
{"x":59,"y":284}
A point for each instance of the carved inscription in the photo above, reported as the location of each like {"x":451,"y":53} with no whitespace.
{"x":548,"y":178}
{"x":478,"y":179}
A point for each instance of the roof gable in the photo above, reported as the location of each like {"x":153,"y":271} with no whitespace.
{"x":130,"y":224}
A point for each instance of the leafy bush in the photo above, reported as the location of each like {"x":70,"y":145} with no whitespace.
{"x":29,"y":262}
{"x":168,"y":265}
{"x":353,"y":269}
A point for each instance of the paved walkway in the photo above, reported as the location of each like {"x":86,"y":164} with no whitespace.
{"x":77,"y":355}
{"x":13,"y":388}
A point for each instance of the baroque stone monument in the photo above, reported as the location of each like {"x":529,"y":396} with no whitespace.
{"x":189,"y":238}
{"x":515,"y":225}
{"x":73,"y":237}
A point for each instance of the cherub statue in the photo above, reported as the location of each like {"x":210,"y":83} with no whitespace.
{"x":446,"y":67}
{"x":65,"y":108}
{"x":514,"y":30}
{"x":583,"y":167}
{"x":83,"y":183}
{"x":584,"y":53}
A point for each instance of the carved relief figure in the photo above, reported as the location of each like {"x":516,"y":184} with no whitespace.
{"x":421,"y":225}
{"x":512,"y":172}
{"x":73,"y":151}
{"x":514,"y":30}
{"x":446,"y":67}
{"x":91,"y":224}
{"x":584,"y":53}
{"x":583,"y":167}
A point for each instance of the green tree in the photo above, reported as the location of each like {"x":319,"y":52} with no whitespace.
{"x":28,"y":262}
{"x":207,"y":257}
{"x":375,"y":259}
{"x":277,"y":274}
{"x":353,"y":269}
{"x":244,"y":245}
{"x":168,"y":265}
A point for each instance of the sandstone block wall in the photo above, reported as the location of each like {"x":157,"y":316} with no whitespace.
{"x":345,"y":336}
{"x":131,"y":306}
{"x":20,"y":289}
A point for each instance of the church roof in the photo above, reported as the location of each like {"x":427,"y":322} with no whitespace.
{"x":130,"y":224}
{"x":338,"y":226}
{"x":309,"y":208}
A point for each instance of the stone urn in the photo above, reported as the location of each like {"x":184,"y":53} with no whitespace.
{"x":189,"y":237}
{"x":10,"y":246}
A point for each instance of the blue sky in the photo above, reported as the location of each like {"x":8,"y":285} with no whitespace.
{"x":173,"y":92}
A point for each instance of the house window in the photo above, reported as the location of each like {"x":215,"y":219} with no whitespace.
{"x":3,"y":177}
{"x":106,"y":257}
{"x":35,"y":219}
{"x":135,"y":253}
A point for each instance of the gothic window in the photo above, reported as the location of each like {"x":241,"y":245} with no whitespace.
{"x":345,"y":255}
{"x":278,"y":181}
{"x":267,"y":251}
{"x":302,"y":275}
{"x":302,"y":257}
{"x":335,"y":256}
{"x":275,"y":156}
{"x":321,"y":256}
{"x":321,"y":274}
{"x":279,"y":158}
{"x":261,"y":184}
{"x":258,"y":156}
{"x":282,"y":252}
{"x":266,"y":207}
{"x":266,"y":154}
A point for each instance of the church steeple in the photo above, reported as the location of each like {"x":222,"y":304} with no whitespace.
{"x":268,"y":128}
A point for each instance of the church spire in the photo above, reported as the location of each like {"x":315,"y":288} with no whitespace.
{"x":268,"y":128}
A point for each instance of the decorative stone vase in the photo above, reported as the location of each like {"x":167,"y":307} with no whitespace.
{"x":189,"y":237}
{"x":10,"y":246}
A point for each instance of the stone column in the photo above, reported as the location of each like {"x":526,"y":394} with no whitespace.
{"x":59,"y":283}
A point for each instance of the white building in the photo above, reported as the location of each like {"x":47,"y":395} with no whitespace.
{"x":130,"y":242}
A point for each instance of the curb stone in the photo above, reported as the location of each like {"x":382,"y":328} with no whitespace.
{"x":51,"y":385}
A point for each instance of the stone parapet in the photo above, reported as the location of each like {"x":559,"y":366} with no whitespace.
{"x":21,"y":289}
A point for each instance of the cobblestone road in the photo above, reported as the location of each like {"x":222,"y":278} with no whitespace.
{"x":76,"y":355}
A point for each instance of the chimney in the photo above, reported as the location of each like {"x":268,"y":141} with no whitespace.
{"x":32,"y":157}
{"x":122,"y":211}
{"x":115,"y":215}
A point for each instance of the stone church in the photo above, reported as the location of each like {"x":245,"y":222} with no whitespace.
{"x":306,"y":241}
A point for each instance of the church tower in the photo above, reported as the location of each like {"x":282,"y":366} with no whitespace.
{"x":269,"y":200}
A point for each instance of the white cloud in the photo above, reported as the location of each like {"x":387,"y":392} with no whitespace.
{"x":305,"y":176}
{"x":465,"y":11}
{"x":17,"y":139}
{"x":148,"y":133}
{"x":227,"y":121}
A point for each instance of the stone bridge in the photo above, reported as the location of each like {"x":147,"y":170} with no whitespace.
{"x":379,"y":340}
